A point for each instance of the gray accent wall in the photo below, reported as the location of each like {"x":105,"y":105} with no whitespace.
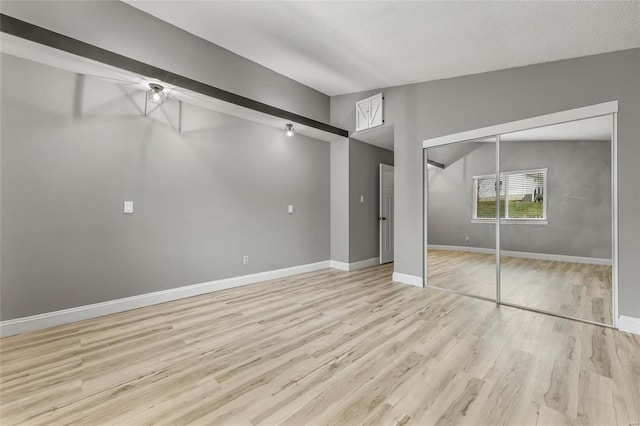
{"x":116,"y":26}
{"x":74,"y":148}
{"x":364,"y":172}
{"x":436,"y":108}
{"x":578,"y":198}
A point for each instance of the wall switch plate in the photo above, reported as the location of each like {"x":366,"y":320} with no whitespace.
{"x":362,"y":198}
{"x":128,"y":207}
{"x":290,"y":209}
{"x":245,"y":260}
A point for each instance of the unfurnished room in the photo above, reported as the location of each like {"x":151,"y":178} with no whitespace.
{"x":319,"y":213}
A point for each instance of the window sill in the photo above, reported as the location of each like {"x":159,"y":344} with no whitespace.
{"x":513,"y":221}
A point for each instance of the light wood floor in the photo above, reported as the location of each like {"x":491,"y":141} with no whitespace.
{"x":573,"y":289}
{"x":323,"y":348}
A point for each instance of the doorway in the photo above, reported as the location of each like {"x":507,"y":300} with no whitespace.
{"x":386,"y":216}
{"x":525,"y":214}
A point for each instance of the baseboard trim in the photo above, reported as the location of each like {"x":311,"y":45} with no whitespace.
{"x":364,"y":263}
{"x":80,"y":313}
{"x":629,"y":324}
{"x":407,"y":279}
{"x":343,"y":266}
{"x":526,"y":255}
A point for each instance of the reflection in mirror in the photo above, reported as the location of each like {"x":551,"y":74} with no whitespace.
{"x":461,"y":254}
{"x":556,"y":231}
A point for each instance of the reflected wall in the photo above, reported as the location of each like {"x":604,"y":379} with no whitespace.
{"x":451,"y":196}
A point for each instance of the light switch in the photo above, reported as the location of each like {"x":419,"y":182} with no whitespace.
{"x":362,"y":198}
{"x":128,"y":207}
{"x":290,"y":210}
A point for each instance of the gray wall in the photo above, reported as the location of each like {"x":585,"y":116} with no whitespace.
{"x":364,"y":170}
{"x":578,"y":198}
{"x":340,"y":200}
{"x":450,"y":194}
{"x":123,"y":29}
{"x":436,"y":108}
{"x":73,"y":150}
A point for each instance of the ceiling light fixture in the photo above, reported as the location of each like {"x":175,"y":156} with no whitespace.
{"x":289,"y":128}
{"x":155,"y":93}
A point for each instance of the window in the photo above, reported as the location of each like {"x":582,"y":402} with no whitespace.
{"x":522,"y":197}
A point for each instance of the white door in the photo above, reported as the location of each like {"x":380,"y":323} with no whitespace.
{"x":375,"y":110}
{"x":362,"y":114}
{"x":386,"y":213}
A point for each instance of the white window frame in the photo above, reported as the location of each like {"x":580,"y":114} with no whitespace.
{"x":506,"y":220}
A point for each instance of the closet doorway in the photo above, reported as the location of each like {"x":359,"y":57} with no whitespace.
{"x":525,"y":214}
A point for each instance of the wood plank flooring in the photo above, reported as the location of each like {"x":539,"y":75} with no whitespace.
{"x":323,"y":348}
{"x":577,"y":290}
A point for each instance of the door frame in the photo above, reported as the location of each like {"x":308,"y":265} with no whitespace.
{"x":597,"y":110}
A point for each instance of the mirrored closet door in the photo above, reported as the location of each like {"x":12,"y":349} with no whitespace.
{"x":556,"y":231}
{"x":461,"y":206}
{"x":544,"y":199}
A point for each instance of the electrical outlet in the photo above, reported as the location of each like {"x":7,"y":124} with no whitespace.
{"x":466,"y":238}
{"x":245,"y":260}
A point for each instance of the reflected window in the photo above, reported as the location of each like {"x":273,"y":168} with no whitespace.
{"x":522,"y":196}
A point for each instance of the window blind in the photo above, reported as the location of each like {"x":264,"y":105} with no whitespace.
{"x":525,"y":195}
{"x":521,"y":195}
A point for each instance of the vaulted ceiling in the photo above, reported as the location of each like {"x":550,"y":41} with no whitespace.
{"x":340,"y":47}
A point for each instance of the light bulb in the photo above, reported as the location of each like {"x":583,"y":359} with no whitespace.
{"x":289,"y":128}
{"x":155,"y":93}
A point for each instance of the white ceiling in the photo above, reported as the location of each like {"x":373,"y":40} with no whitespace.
{"x":590,"y":129}
{"x":381,"y":136}
{"x":40,"y":53}
{"x":340,"y":47}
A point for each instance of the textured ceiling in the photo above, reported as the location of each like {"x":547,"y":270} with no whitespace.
{"x":342,"y":47}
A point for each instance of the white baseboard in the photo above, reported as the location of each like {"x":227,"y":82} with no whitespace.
{"x":364,"y":263}
{"x":343,"y":266}
{"x":66,"y":316}
{"x":407,"y":279}
{"x":526,"y":255}
{"x":629,"y":324}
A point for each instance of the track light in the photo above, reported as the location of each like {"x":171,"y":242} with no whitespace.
{"x":155,"y":93}
{"x":289,"y":128}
